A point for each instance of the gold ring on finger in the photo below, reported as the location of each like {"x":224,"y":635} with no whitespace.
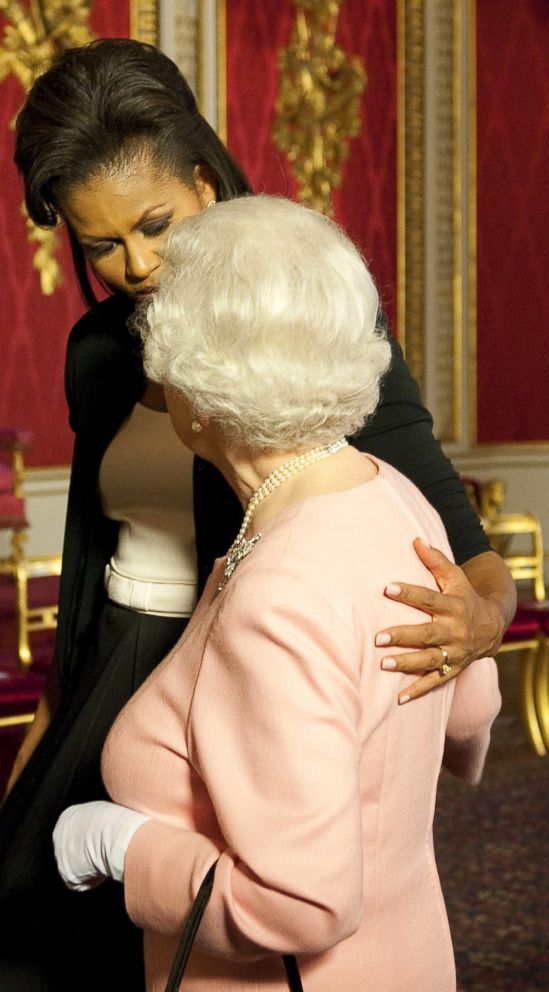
{"x":446,"y":667}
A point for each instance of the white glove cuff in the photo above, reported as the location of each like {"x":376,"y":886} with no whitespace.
{"x":117,"y":853}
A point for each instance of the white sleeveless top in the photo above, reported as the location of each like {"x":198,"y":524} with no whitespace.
{"x":145,"y":483}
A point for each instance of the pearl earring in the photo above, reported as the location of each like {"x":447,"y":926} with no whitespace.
{"x":196,"y":426}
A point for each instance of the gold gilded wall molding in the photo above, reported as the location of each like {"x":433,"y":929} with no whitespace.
{"x":44,"y":260}
{"x":178,"y":38}
{"x":411,"y":183}
{"x":32,"y":35}
{"x":318,"y":105}
{"x":212,"y":64}
{"x":221,"y":48}
{"x":36,"y":31}
{"x":144,"y":21}
{"x":441,"y":252}
{"x":471,"y":271}
{"x":459,"y":119}
{"x":436,"y":207}
{"x":450,"y":219}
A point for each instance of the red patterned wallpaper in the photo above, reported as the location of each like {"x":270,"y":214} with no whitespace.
{"x":513,"y":220}
{"x":34,"y":327}
{"x":365,"y":205}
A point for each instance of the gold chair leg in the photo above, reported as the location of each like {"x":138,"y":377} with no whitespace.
{"x":541,"y":690}
{"x":528,"y":699}
{"x":20,"y":720}
{"x":20,"y":573}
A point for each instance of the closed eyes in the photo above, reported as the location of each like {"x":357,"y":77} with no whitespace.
{"x":100,"y":249}
{"x":151,"y":230}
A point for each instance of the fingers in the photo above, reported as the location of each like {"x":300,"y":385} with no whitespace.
{"x":443,"y":647}
{"x":436,"y":561}
{"x":421,"y":635}
{"x":449,"y":578}
{"x":428,"y":600}
{"x":433,"y":667}
{"x":425,"y":684}
{"x":415,"y":662}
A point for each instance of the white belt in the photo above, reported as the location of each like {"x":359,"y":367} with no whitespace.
{"x":162,"y":598}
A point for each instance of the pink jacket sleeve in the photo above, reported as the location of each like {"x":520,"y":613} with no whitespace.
{"x":475,"y":705}
{"x":273,"y":735}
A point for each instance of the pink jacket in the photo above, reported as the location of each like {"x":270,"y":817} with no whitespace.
{"x":271,"y":739}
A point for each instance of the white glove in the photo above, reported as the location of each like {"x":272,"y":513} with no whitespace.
{"x":91,"y":840}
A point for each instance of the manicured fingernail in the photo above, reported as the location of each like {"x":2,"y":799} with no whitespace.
{"x":403,"y":699}
{"x":389,"y":663}
{"x":392,"y":589}
{"x":382,"y":640}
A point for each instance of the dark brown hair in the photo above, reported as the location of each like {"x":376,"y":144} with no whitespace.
{"x":90,"y":111}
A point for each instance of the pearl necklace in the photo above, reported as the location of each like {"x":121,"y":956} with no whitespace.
{"x":241,"y":547}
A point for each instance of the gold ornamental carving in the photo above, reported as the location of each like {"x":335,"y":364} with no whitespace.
{"x":411,"y":183}
{"x":318,"y":105}
{"x":34,"y":33}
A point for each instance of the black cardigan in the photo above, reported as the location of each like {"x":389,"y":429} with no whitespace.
{"x":104,"y":379}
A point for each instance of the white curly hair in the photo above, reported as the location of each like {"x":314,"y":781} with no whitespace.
{"x":265,"y":320}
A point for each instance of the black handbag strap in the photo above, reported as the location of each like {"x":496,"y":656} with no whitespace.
{"x":292,"y":973}
{"x":189,"y":933}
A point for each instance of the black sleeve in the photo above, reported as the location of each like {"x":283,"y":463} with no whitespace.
{"x":103,"y":372}
{"x":401,"y":433}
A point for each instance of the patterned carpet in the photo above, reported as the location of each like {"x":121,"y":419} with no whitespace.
{"x":493,"y":855}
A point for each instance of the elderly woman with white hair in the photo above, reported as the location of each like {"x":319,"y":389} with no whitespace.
{"x":269,"y":741}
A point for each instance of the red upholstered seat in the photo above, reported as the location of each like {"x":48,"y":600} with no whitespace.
{"x":9,"y":436}
{"x":13,"y":444}
{"x":534,"y":612}
{"x":12,"y":512}
{"x":527,"y":634}
{"x":20,"y":689}
{"x":6,"y":479}
{"x":41,"y":591}
{"x":522,"y":627}
{"x":19,"y":692}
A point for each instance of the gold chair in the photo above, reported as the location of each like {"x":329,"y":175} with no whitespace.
{"x":525,"y":564}
{"x":529,"y":630}
{"x":487,"y":498}
{"x":17,"y":566}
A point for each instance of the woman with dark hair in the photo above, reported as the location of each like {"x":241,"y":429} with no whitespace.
{"x":110,"y":141}
{"x":100,"y":107}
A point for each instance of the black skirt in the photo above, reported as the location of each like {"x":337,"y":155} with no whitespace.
{"x":53,"y":940}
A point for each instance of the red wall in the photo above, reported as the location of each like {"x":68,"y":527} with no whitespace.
{"x":513,"y":206}
{"x":365,"y":205}
{"x":33,"y":327}
{"x":513,"y":220}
